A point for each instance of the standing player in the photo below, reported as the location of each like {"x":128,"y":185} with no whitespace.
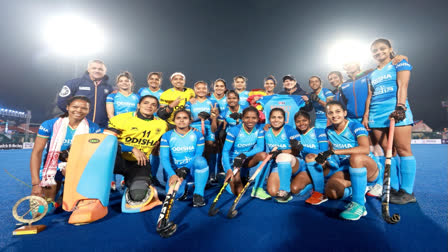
{"x":201,"y":111}
{"x":174,"y":98}
{"x":285,"y":165}
{"x":244,"y":148}
{"x":219,"y":93}
{"x":239,"y":83}
{"x":254,"y":95}
{"x":319,"y":98}
{"x":231,"y":116}
{"x":350,"y":143}
{"x":123,"y":100}
{"x":56,"y":136}
{"x":139,"y":133}
{"x":154,"y":80}
{"x":388,"y":98}
{"x":335,"y":79}
{"x":183,"y":147}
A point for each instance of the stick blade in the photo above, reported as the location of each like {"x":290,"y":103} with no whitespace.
{"x":213,"y":211}
{"x":232,"y":213}
{"x":167,"y":230}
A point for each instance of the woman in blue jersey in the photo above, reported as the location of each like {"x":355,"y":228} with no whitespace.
{"x":202,"y":110}
{"x":240,"y":83}
{"x":183,"y":147}
{"x":219,"y":93}
{"x":243,"y":149}
{"x":56,"y":136}
{"x":319,"y":97}
{"x":285,"y":165}
{"x":353,"y":165}
{"x":335,"y":79}
{"x":123,"y":100}
{"x":231,"y":116}
{"x":388,"y":98}
{"x":154,"y":80}
{"x":315,"y":140}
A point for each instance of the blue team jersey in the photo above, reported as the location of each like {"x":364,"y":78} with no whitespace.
{"x":238,"y":141}
{"x":384,"y":95}
{"x":122,"y":103}
{"x":354,"y":95}
{"x":46,"y":131}
{"x":146,"y":91}
{"x":179,"y":149}
{"x":291,"y":104}
{"x":281,"y":140}
{"x":198,"y":107}
{"x":321,"y":118}
{"x":315,"y":140}
{"x":243,"y":98}
{"x":222,"y":103}
{"x":348,"y":138}
{"x":225,"y":115}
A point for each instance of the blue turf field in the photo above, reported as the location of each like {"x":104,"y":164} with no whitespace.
{"x":261,"y":225}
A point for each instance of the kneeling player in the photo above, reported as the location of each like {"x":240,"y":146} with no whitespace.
{"x":350,"y":149}
{"x":286,"y":165}
{"x":243,"y":148}
{"x":139,"y":133}
{"x":183,"y":147}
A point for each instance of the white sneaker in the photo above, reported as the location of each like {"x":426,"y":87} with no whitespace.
{"x":376,"y":191}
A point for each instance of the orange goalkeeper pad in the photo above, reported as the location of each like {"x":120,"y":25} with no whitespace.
{"x":87,"y":211}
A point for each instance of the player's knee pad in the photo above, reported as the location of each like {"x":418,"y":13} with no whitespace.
{"x":284,"y":157}
{"x":200,"y":162}
{"x":138,"y":188}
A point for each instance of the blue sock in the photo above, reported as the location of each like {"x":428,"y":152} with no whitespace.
{"x":394,"y":181}
{"x":408,"y":166}
{"x":347,"y":193}
{"x":212,"y":164}
{"x":259,"y":180}
{"x":306,"y":189}
{"x":200,"y":180}
{"x":358,"y":176}
{"x":155,"y":162}
{"x":317,"y":176}
{"x":284,"y":173}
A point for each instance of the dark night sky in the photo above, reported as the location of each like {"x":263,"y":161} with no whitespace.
{"x":211,"y":39}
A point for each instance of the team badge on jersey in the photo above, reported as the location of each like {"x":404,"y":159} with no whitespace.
{"x":65,"y":91}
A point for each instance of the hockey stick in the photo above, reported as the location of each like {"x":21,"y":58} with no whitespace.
{"x":395,"y":218}
{"x":213,"y":211}
{"x":232,"y":211}
{"x":165,"y":227}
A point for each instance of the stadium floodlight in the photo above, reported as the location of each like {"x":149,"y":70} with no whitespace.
{"x":71,"y":35}
{"x":348,"y":51}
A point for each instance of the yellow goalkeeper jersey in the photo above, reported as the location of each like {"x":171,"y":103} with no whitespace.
{"x":139,"y":133}
{"x":171,"y":95}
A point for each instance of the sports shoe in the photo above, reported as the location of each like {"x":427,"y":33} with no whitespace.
{"x":113,"y":186}
{"x":375,"y":191}
{"x":402,"y":198}
{"x":283,"y":196}
{"x":260,"y":193}
{"x":198,"y":200}
{"x":353,"y":211}
{"x":316,"y":198}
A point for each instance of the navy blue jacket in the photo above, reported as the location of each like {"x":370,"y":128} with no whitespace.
{"x":97,"y":94}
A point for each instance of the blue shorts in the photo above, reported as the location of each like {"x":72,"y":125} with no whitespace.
{"x":379,"y":115}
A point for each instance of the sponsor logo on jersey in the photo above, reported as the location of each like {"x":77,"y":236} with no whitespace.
{"x":180,"y":162}
{"x":182,"y":148}
{"x":243,"y":145}
{"x":382,"y":90}
{"x":342,"y":146}
{"x":84,"y":88}
{"x":358,"y":129}
{"x":43,"y":129}
{"x":279,"y":146}
{"x":295,"y":136}
{"x":139,"y":141}
{"x":65,"y":91}
{"x":381,"y":78}
{"x":403,"y":64}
